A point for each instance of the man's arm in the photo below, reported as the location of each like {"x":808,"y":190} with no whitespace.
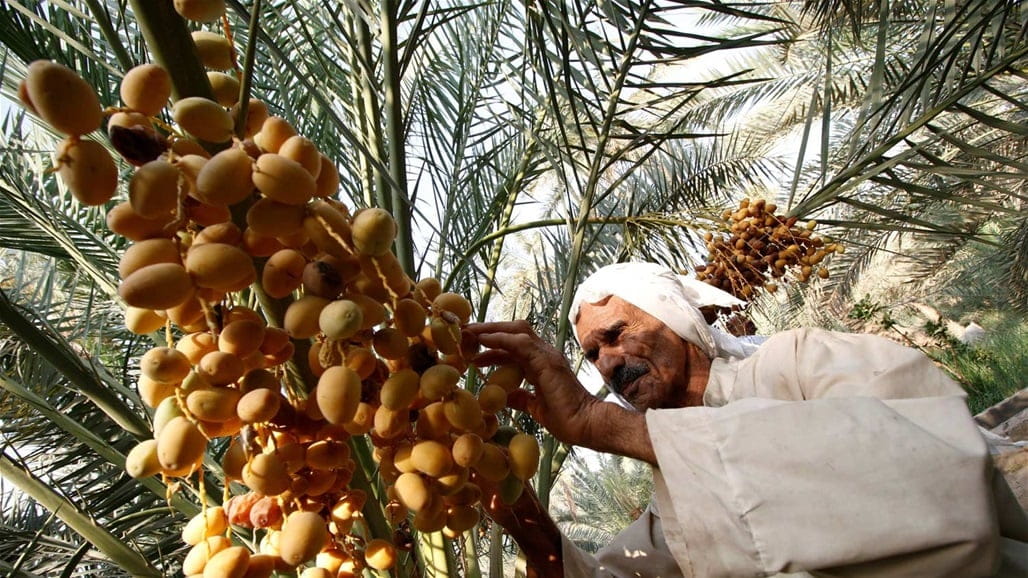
{"x":529,"y":525}
{"x":563,"y":406}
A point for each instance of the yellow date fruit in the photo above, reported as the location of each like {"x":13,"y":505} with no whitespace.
{"x":224,"y":87}
{"x":141,"y":461}
{"x":462,"y":517}
{"x":203,"y":118}
{"x":524,"y":456}
{"x":328,"y":229}
{"x":303,"y":151}
{"x":266,"y":473}
{"x":216,"y":404}
{"x":327,"y":182}
{"x":62,"y":98}
{"x":147,"y":252}
{"x":390,"y":343}
{"x":256,"y":114}
{"x":283,"y":179}
{"x":225,"y":178}
{"x":283,"y":273}
{"x":338,"y":394}
{"x":492,"y":398}
{"x":492,"y":464}
{"x":302,"y":316}
{"x":444,"y":335}
{"x":200,"y":10}
{"x":462,"y":411}
{"x":453,"y":303}
{"x":180,"y":446}
{"x":509,"y":377}
{"x":438,"y":382}
{"x":409,"y":317}
{"x":259,"y":405}
{"x":373,"y":231}
{"x":154,"y":189}
{"x":214,"y":50}
{"x":400,"y":389}
{"x":88,"y":170}
{"x":380,"y":554}
{"x":274,"y":132}
{"x":200,"y":554}
{"x":467,"y":449}
{"x":160,"y":286}
{"x":303,"y":536}
{"x":165,"y":365}
{"x":431,"y":458}
{"x":221,"y":368}
{"x":154,"y":392}
{"x":146,"y":89}
{"x":219,"y":266}
{"x":341,"y":319}
{"x":210,"y":522}
{"x":412,"y":491}
{"x":143,"y":321}
{"x":232,"y":562}
{"x":270,"y":218}
{"x":241,"y":337}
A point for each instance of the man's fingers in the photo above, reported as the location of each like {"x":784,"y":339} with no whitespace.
{"x":519,"y":399}
{"x":508,"y":341}
{"x":492,"y":357}
{"x":517,"y":326}
{"x":505,"y":348}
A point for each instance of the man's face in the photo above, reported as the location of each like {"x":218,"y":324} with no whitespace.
{"x":638,"y":356}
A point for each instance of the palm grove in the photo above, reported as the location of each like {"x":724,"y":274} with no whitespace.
{"x":519,"y":146}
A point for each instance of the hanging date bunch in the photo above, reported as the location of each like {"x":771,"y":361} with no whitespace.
{"x":385,"y":352}
{"x":758,"y":249}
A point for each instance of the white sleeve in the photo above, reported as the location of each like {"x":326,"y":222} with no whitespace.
{"x":842,"y":486}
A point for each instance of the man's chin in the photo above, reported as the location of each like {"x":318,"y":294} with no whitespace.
{"x":623,"y":401}
{"x":640,"y":404}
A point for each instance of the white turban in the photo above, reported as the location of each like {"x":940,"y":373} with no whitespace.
{"x":673,"y":299}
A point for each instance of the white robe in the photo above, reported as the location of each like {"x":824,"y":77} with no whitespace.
{"x":822,"y":454}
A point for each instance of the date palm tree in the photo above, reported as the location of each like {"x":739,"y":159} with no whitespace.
{"x":518,"y":146}
{"x":593,"y":502}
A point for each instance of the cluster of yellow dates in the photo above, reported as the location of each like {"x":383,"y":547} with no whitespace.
{"x":386,"y":352}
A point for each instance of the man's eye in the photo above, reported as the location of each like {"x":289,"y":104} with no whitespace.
{"x":592,"y":354}
{"x":613,"y":334}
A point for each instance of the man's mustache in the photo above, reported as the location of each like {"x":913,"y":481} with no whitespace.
{"x":625,"y":374}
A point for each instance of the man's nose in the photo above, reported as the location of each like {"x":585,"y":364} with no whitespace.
{"x":608,"y":362}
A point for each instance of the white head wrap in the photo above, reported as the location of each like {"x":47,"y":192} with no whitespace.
{"x":673,"y":299}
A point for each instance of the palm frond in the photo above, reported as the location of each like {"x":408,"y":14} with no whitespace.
{"x":1012,"y":262}
{"x":35,"y":216}
{"x":940,"y":98}
{"x":595,"y":501}
{"x":120,"y":556}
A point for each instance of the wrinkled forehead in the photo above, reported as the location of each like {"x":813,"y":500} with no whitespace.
{"x":608,"y":313}
{"x":592,"y":309}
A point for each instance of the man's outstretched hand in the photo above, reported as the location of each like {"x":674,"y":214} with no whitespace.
{"x":560,"y":403}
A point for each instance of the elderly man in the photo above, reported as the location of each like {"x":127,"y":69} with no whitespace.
{"x":820,"y":452}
